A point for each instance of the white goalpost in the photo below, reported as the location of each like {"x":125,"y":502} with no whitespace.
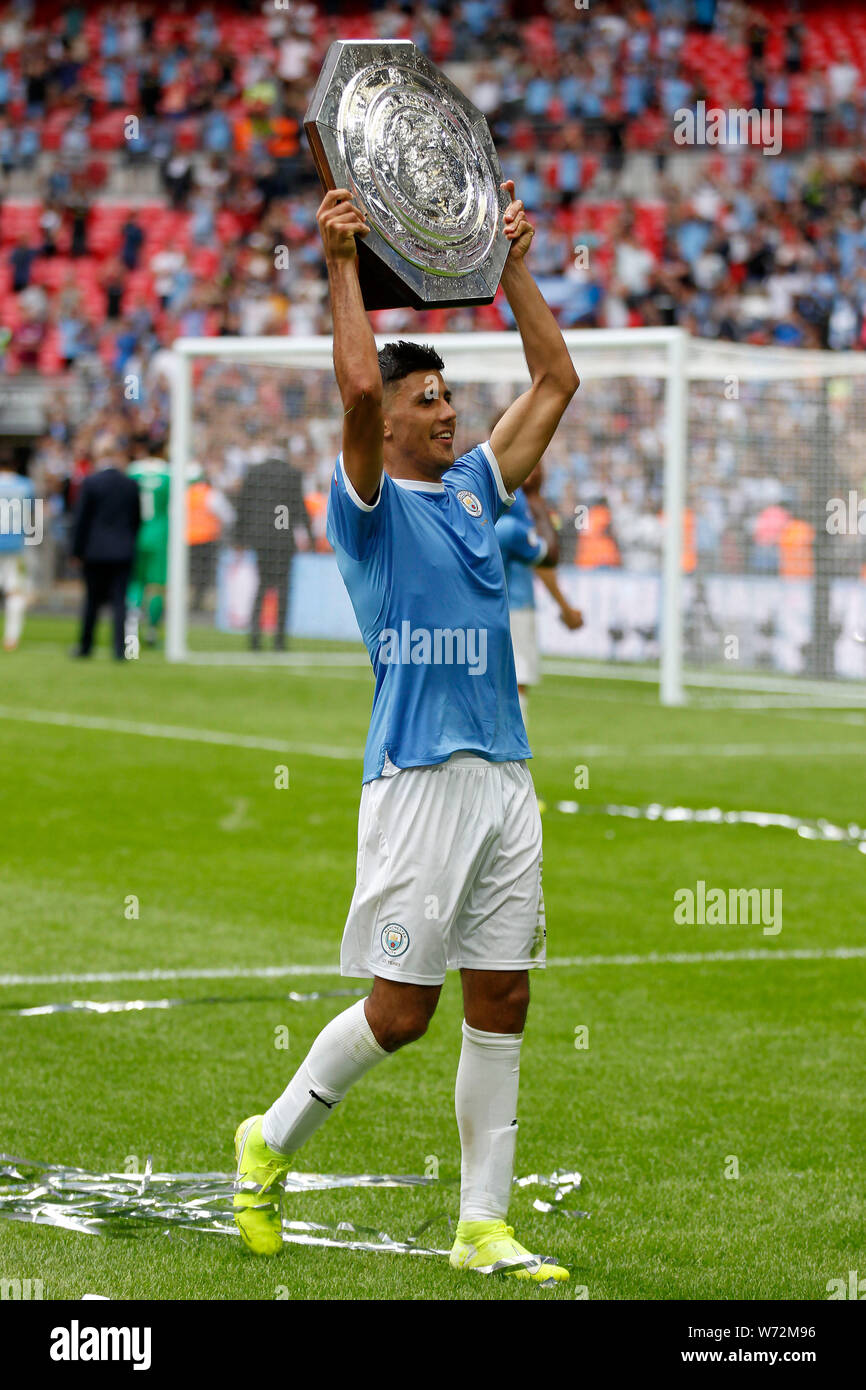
{"x":699,"y":488}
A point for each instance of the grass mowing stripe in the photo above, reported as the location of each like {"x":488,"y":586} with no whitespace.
{"x":315,"y":750}
{"x":170,"y":731}
{"x":688,"y":1062}
{"x":704,"y":751}
{"x":276,"y":972}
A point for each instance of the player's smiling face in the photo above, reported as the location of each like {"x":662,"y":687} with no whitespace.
{"x":420,"y":422}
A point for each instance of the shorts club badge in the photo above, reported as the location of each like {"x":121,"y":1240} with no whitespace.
{"x":395,"y":939}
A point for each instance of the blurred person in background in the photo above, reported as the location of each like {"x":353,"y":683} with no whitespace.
{"x":152,"y":477}
{"x":529,"y":544}
{"x":207,"y":511}
{"x":18,"y":512}
{"x":270,"y":506}
{"x":21,"y":259}
{"x":106,"y":525}
{"x":132,"y":240}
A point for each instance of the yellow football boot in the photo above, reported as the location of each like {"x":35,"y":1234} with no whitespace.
{"x":489,"y":1246}
{"x":258,"y":1195}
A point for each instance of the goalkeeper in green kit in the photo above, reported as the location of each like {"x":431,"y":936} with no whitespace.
{"x":149,"y":569}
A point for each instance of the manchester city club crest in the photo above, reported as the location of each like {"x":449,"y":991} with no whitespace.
{"x":470,"y":502}
{"x":395,"y":939}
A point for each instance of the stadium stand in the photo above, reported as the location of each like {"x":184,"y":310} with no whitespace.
{"x":152,"y":158}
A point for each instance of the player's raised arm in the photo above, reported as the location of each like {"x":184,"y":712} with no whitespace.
{"x":355,"y":360}
{"x":527,"y":427}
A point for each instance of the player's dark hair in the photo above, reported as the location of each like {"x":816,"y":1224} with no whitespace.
{"x":397,"y":360}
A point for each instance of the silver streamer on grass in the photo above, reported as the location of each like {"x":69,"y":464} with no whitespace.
{"x":563,"y":1184}
{"x":125,"y":1204}
{"x":129,"y":1006}
{"x":851,"y":834}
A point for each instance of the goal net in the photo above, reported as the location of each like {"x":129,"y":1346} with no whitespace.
{"x":710,"y":498}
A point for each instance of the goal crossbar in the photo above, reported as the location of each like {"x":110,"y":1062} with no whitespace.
{"x":669,"y":356}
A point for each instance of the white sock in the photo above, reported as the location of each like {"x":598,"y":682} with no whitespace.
{"x":14,"y":622}
{"x":343,"y":1051}
{"x":485,"y":1099}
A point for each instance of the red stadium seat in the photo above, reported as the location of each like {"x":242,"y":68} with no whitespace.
{"x":187,"y":135}
{"x":19,"y":218}
{"x":106,"y":133}
{"x":50,"y":360}
{"x":10,"y":311}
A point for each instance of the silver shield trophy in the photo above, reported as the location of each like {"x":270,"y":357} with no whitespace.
{"x":384,"y":122}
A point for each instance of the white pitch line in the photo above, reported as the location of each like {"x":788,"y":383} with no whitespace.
{"x":704,"y":751}
{"x":278,"y":972}
{"x":824,"y":716}
{"x":177,"y":732}
{"x":184,"y":734}
{"x":117,"y":977}
{"x":709,"y":957}
{"x":301,"y":661}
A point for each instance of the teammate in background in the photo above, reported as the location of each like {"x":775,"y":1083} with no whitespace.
{"x":528,"y":543}
{"x":449,"y":862}
{"x":150,"y":566}
{"x":16,"y":505}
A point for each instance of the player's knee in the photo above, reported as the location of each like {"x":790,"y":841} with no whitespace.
{"x":503,"y":1007}
{"x":399,"y":1029}
{"x":514,"y":1009}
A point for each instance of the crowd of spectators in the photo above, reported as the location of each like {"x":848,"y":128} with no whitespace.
{"x":96,"y":101}
{"x":762,"y":249}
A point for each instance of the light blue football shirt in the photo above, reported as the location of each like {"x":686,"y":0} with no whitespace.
{"x":424,"y":572}
{"x":522,"y":548}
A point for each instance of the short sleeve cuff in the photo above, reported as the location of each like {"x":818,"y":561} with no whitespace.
{"x":505,"y":497}
{"x":347,"y":483}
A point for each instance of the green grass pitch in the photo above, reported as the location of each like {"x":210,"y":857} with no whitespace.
{"x":689,"y":1065}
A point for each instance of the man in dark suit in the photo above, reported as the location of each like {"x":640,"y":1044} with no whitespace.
{"x":106,"y":526}
{"x":270,"y":506}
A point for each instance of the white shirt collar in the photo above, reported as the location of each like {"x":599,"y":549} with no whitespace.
{"x":416,"y":485}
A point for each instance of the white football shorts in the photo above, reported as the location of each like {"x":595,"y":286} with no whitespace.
{"x":449,"y":873}
{"x":525,"y":643}
{"x":13,"y":579}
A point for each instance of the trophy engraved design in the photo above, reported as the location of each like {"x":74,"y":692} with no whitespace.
{"x":384,"y":122}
